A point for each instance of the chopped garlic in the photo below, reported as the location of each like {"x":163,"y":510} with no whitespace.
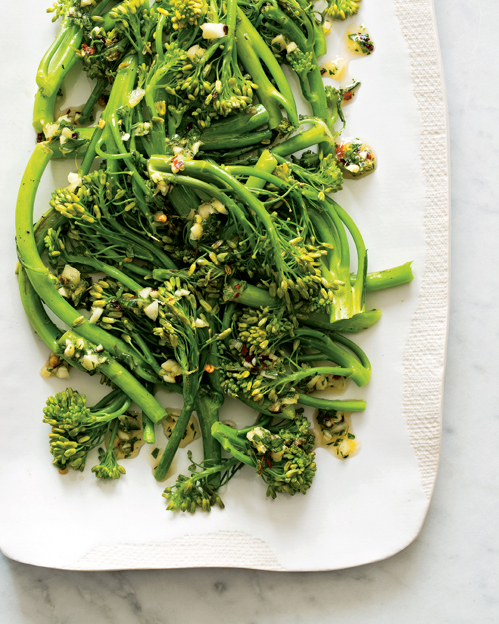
{"x":353,"y":168}
{"x":291,"y":47}
{"x":45,"y":373}
{"x":205,"y":210}
{"x":50,"y":129}
{"x":279,"y":41}
{"x":96,"y":314}
{"x":257,"y":431}
{"x":195,"y":51}
{"x":62,"y":372}
{"x":169,"y":364}
{"x":135,"y":97}
{"x":277,"y":455}
{"x":219,"y":207}
{"x":213,"y":31}
{"x":63,"y":292}
{"x":145,"y":292}
{"x":335,"y":68}
{"x":152,"y":310}
{"x":90,"y":361}
{"x":71,"y":275}
{"x":75,"y":181}
{"x":196,"y":231}
{"x":69,"y":351}
{"x":200,"y":323}
{"x":66,"y":134}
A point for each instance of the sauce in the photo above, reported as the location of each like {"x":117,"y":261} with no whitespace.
{"x":334,"y":432}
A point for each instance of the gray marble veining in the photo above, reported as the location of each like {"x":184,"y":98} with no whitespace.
{"x":450,"y":573}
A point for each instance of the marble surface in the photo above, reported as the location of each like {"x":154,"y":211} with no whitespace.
{"x":449,"y":574}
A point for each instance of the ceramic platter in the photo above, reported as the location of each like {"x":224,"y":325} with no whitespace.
{"x":360,"y":510}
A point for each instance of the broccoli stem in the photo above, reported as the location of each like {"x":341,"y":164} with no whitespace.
{"x":380,"y":280}
{"x":59,"y":59}
{"x":328,"y":404}
{"x":38,"y":317}
{"x":353,"y":325}
{"x":358,"y":287}
{"x":311,"y":81}
{"x":251,"y":48}
{"x":97,"y":91}
{"x":148,"y":433}
{"x":266,"y":164}
{"x":176,"y":437}
{"x":207,"y":407}
{"x":254,"y":297}
{"x":318,"y":134}
{"x":231,"y":442}
{"x":357,"y":363}
{"x":190,"y":388}
{"x":105,"y":268}
{"x":236,"y":124}
{"x":122,"y":378}
{"x":44,"y":283}
{"x":227,"y":142}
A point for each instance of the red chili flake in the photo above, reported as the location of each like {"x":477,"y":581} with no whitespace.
{"x":88,"y":50}
{"x":269,"y":463}
{"x":244,"y":350}
{"x":74,"y":135}
{"x":369,"y":156}
{"x":238,"y":286}
{"x":348,"y":95}
{"x":323,"y":71}
{"x":226,"y":29}
{"x":248,"y":358}
{"x":336,"y":376}
{"x":115,"y":305}
{"x":39,"y":137}
{"x":236,"y":295}
{"x":177,"y":163}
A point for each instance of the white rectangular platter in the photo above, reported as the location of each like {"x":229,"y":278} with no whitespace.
{"x":358,"y":511}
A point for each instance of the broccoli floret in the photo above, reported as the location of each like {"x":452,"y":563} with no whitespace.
{"x":281,"y":455}
{"x":108,"y":468}
{"x":198,"y":491}
{"x":76,"y":428}
{"x":322,"y":174}
{"x":341,"y":9}
{"x":183,"y":13}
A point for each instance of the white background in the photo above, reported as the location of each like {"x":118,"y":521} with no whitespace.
{"x":449,"y":574}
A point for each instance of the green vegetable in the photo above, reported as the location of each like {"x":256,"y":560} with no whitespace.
{"x":194,"y":251}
